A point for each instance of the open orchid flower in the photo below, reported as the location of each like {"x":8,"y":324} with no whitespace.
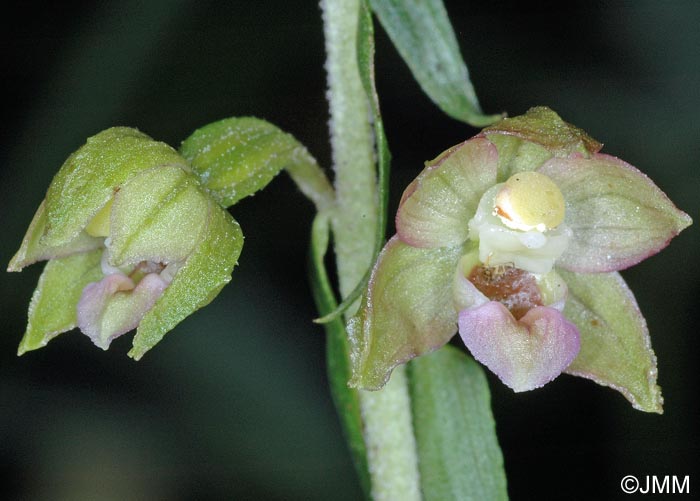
{"x":514,"y":238}
{"x":132,"y":240}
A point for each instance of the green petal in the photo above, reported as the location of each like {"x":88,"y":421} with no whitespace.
{"x":91,"y":175}
{"x":407,"y":311}
{"x":236,"y":157}
{"x":615,"y":345}
{"x":159,"y":215}
{"x":543,"y":126}
{"x":458,"y":453}
{"x":34,"y":249}
{"x":205,"y":272}
{"x":617,"y":214}
{"x":436,"y":208}
{"x":52,"y":309}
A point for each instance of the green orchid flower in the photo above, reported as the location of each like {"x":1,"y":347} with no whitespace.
{"x":514,"y":239}
{"x":137,"y":234}
{"x":132,"y":241}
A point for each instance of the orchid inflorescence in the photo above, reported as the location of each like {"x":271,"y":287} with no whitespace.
{"x":513,"y":238}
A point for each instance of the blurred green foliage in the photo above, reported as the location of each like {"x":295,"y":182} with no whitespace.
{"x":234,"y":403}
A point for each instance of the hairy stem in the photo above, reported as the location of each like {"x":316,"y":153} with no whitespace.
{"x":352,"y":143}
{"x":386,"y":414}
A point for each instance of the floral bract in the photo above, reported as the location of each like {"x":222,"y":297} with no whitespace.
{"x":512,"y":238}
{"x":132,"y":241}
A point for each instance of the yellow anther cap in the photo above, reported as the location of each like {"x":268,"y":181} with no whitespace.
{"x":530,"y":200}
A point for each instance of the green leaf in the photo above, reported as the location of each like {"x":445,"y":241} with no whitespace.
{"x":423,"y":35}
{"x":458,"y":453}
{"x":235,"y":157}
{"x":201,"y":278}
{"x":52,"y":309}
{"x":615,"y":345}
{"x":337,"y":348}
{"x":91,"y":175}
{"x":365,"y":62}
{"x":407,"y":311}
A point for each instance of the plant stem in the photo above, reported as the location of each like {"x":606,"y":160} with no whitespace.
{"x":386,"y":414}
{"x":391,"y":445}
{"x":355,"y":219}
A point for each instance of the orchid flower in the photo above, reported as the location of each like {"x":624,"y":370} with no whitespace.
{"x":132,"y":240}
{"x":514,"y":238}
{"x":137,"y":234}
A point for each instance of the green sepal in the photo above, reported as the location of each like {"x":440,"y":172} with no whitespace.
{"x":406,"y":311}
{"x":517,"y":155}
{"x":200,"y":279}
{"x":34,"y":249}
{"x":52,"y":309}
{"x":617,"y":214}
{"x":615,"y":346}
{"x":90,"y":176}
{"x":543,"y":126}
{"x":235,"y":157}
{"x":423,"y":35}
{"x":158,"y":215}
{"x":458,"y":452}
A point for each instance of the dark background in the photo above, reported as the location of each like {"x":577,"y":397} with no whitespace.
{"x":234,"y":403}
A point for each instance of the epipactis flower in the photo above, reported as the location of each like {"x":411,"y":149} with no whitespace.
{"x":132,"y":240}
{"x":514,"y":238}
